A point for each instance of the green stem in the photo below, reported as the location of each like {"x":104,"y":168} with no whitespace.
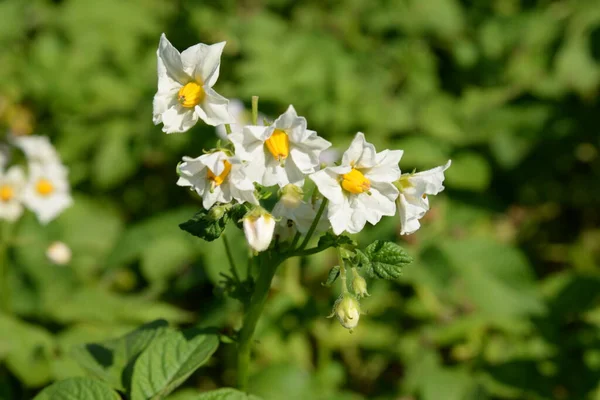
{"x":295,"y":241}
{"x":267,"y":267}
{"x":314,"y":224}
{"x":4,"y":284}
{"x":254,"y":110}
{"x":342,"y":271}
{"x":232,"y":266}
{"x":228,"y":129}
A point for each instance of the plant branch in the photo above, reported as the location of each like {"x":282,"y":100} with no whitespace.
{"x":232,"y":266}
{"x":314,"y":224}
{"x":254,"y":110}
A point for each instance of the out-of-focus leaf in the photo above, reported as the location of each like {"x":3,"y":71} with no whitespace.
{"x":78,"y":388}
{"x":469,"y":171}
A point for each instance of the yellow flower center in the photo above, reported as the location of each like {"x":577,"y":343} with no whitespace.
{"x":191,"y":95}
{"x":44,"y":187}
{"x":278,"y":145}
{"x":404,"y":182}
{"x":355,"y":182}
{"x":6,"y":193}
{"x":217,"y":180}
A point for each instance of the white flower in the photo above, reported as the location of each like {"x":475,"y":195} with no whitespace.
{"x":258,"y":228}
{"x":37,"y":149}
{"x":242,"y":117}
{"x":347,"y":311}
{"x":12,"y":183}
{"x":281,"y":153}
{"x":295,"y":214}
{"x":413,"y":202}
{"x":59,"y":253}
{"x":47,"y":192}
{"x":216,"y":177}
{"x":185,"y":84}
{"x":361,"y":188}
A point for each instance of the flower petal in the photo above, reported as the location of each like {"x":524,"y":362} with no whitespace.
{"x":380,"y":202}
{"x":171,"y":59}
{"x":178,"y":119}
{"x":360,"y":153}
{"x":213,"y":110}
{"x":430,"y":181}
{"x":203,"y":61}
{"x":328,"y":185}
{"x":386,"y":169}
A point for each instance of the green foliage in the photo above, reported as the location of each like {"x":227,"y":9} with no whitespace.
{"x":386,"y":260}
{"x":225,"y":394}
{"x":78,"y":388}
{"x":501,"y":301}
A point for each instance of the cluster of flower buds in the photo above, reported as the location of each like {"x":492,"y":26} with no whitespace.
{"x":364,"y":186}
{"x":40,"y":184}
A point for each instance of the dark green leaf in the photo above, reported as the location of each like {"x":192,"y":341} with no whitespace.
{"x":205,"y":225}
{"x":169,"y":361}
{"x":331,"y":240}
{"x":386,"y":260}
{"x":333,"y":275}
{"x":225,"y":394}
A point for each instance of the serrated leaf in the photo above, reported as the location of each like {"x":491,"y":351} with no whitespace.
{"x":204,"y":226}
{"x":169,"y":361}
{"x":333,"y":275}
{"x":360,"y":259}
{"x":386,"y":260}
{"x":113,"y":360}
{"x":225,"y":394}
{"x":78,"y":389}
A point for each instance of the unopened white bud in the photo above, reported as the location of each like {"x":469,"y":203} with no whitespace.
{"x":347,"y":311}
{"x":258,"y":228}
{"x":59,"y":253}
{"x":291,"y":196}
{"x":359,"y":286}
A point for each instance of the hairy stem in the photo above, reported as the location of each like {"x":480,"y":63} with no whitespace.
{"x":228,"y":129}
{"x":254,"y":110}
{"x":268,"y":264}
{"x":234,"y":271}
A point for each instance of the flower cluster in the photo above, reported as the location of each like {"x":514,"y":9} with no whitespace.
{"x":364,"y":186}
{"x":41,"y":185}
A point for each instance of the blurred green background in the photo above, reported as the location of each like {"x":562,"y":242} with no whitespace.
{"x":502,"y":301}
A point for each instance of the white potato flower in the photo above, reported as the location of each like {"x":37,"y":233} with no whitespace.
{"x":361,"y":189}
{"x":185,"y":82}
{"x":413,"y":202}
{"x":12,"y":183}
{"x":37,"y":149}
{"x":47,"y":192}
{"x":295,"y":214}
{"x":59,"y":253}
{"x":281,"y":153}
{"x":216,"y":177}
{"x":258,"y":228}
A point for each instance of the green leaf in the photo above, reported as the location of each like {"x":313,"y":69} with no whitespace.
{"x":113,"y":360}
{"x":169,"y":361}
{"x":78,"y":389}
{"x":206,"y":226}
{"x":333,"y":275}
{"x":360,"y":259}
{"x":331,"y":240}
{"x":387,"y":260}
{"x":224,"y":394}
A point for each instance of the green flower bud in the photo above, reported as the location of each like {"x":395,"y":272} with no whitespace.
{"x":291,"y":196}
{"x":217,"y":212}
{"x":347,"y":310}
{"x":359,"y":286}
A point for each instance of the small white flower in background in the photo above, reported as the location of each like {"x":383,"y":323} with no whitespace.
{"x":242,"y":117}
{"x":347,"y":311}
{"x":361,"y":188}
{"x":47,"y":192}
{"x":413,"y":202}
{"x":216,"y":177}
{"x":59,"y":253}
{"x":37,"y":149}
{"x":12,"y":183}
{"x":295,"y":214}
{"x":259,"y":226}
{"x":185,"y":84}
{"x":281,"y":153}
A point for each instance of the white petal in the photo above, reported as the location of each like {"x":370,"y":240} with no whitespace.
{"x":409,"y":214}
{"x":214,"y":161}
{"x":161,"y":103}
{"x":288,"y":119}
{"x":178,"y":119}
{"x":430,"y":181}
{"x":386,"y":169}
{"x":306,"y":154}
{"x":380,"y":202}
{"x":213,"y":110}
{"x":202,"y":62}
{"x":328,"y":185}
{"x":361,"y":153}
{"x":339,"y":216}
{"x":11,"y":210}
{"x":171,"y":59}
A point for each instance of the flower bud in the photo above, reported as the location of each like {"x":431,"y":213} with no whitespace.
{"x":59,"y":253}
{"x":291,"y":196}
{"x":258,"y":228}
{"x":217,"y":212}
{"x":347,"y":311}
{"x":359,"y":286}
